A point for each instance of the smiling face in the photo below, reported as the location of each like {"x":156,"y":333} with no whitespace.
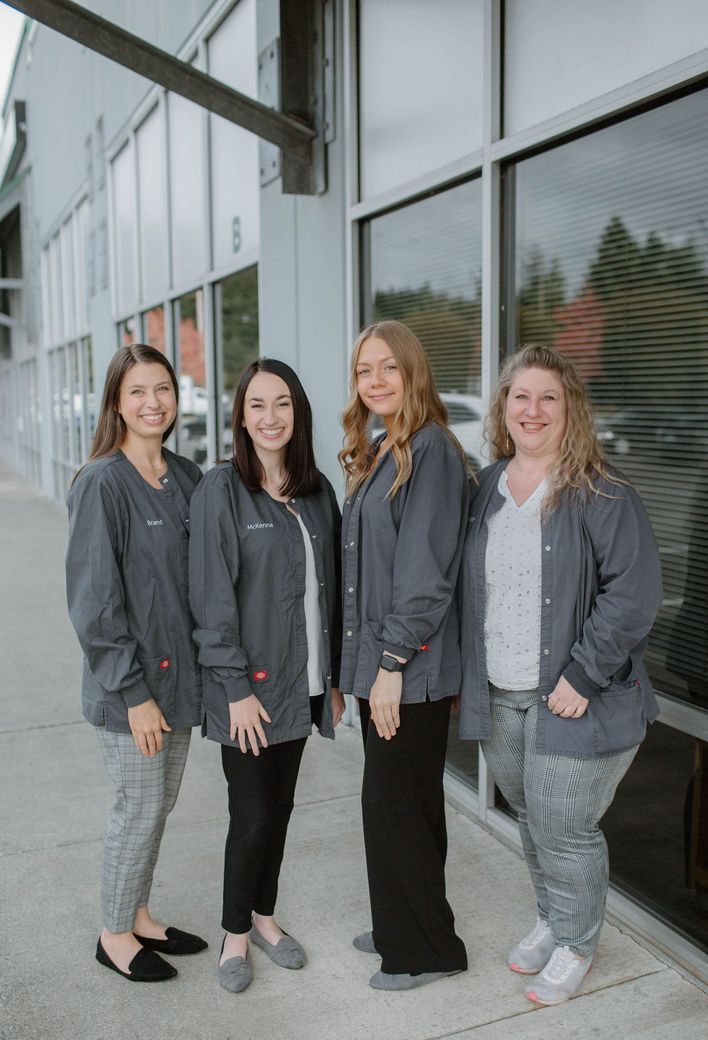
{"x":535,"y":412}
{"x":268,"y":415}
{"x":379,"y":381}
{"x":147,"y":401}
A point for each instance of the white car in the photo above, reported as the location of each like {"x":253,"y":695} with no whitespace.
{"x":465,"y":415}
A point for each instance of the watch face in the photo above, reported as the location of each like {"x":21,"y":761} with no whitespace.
{"x":390,"y":664}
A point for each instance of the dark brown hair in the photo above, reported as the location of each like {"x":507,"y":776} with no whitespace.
{"x":110,"y":428}
{"x":301,"y":476}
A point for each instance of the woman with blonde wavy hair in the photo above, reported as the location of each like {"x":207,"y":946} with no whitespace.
{"x":403,"y":528}
{"x":560,"y":585}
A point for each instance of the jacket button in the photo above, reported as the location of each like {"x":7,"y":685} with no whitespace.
{"x":547,"y":600}
{"x":349,"y":634}
{"x":546,"y":651}
{"x":544,"y":698}
{"x":350,"y":589}
{"x":548,"y":548}
{"x":351,"y":544}
{"x":325,"y":631}
{"x":322,"y":584}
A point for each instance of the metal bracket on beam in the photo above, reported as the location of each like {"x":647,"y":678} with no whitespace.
{"x":307,"y":87}
{"x":269,"y":94}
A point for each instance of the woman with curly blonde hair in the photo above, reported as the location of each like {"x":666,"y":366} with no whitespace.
{"x":403,"y":528}
{"x":560,"y":585}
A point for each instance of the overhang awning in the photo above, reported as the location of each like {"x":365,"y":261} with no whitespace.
{"x":294,"y":131}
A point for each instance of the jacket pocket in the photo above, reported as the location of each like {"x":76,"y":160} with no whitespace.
{"x":161,"y":678}
{"x":618,"y":719}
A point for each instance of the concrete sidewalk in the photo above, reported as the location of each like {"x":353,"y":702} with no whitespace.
{"x":55,"y":799}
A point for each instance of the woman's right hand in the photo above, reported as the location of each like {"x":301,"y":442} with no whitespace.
{"x":245,"y":721}
{"x":147,"y":724}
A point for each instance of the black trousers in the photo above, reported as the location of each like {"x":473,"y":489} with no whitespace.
{"x":405,"y":836}
{"x":261,"y":793}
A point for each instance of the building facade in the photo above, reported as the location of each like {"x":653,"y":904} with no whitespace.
{"x":498,"y":172}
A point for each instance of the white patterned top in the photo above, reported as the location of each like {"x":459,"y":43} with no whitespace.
{"x":512,"y":626}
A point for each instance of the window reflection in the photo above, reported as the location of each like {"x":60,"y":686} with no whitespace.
{"x":193,"y":397}
{"x":154,"y":328}
{"x":659,"y":844}
{"x":237,"y":331}
{"x":610,"y":266}
{"x":422,"y":266}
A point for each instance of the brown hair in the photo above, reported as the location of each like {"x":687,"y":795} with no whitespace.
{"x":581,"y":458}
{"x":302,"y":477}
{"x":421,"y":406}
{"x":110,"y":428}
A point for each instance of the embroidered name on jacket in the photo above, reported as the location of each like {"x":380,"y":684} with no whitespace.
{"x":254,"y":527}
{"x":154,"y":523}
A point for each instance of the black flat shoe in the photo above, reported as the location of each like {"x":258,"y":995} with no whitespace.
{"x":177,"y":943}
{"x":145,"y":966}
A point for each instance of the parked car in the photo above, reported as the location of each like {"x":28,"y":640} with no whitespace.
{"x":466,"y":420}
{"x":668,"y":435}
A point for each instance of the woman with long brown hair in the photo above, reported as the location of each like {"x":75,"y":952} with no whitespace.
{"x":264,"y":581}
{"x":560,"y":585}
{"x":403,"y":527}
{"x":126,"y":577}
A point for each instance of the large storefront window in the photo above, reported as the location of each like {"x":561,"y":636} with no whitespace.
{"x":236,"y":307}
{"x":422,"y":266}
{"x":191,"y":367}
{"x":154,"y":329}
{"x":611,"y":266}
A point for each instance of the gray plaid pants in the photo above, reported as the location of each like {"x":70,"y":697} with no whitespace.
{"x":145,"y":793}
{"x":559,"y":801}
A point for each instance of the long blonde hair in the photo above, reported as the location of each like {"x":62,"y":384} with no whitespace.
{"x":581,"y":459}
{"x":421,"y":406}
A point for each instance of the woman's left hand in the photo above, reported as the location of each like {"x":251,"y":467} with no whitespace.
{"x":338,"y":706}
{"x":384,"y":703}
{"x":566,"y":701}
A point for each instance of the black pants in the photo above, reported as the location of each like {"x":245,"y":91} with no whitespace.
{"x":261,"y":792}
{"x":405,"y":835}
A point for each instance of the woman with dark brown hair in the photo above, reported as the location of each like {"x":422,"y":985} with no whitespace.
{"x":264,"y":581}
{"x":403,"y":527}
{"x":126,"y":577}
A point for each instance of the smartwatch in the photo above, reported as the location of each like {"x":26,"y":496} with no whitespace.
{"x":390,"y":664}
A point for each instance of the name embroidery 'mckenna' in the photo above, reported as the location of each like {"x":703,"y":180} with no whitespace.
{"x":254,"y":527}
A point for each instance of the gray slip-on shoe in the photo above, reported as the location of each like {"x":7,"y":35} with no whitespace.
{"x":365,"y":943}
{"x":235,"y":974}
{"x":287,"y":953}
{"x":382,"y":980}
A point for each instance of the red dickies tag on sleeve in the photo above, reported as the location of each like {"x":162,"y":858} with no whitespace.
{"x":164,"y":663}
{"x":425,"y":647}
{"x":260,"y":674}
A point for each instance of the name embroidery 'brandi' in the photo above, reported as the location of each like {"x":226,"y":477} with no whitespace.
{"x":254,"y":527}
{"x":154,"y":523}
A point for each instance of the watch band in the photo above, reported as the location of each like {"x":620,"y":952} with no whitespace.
{"x":390,"y":664}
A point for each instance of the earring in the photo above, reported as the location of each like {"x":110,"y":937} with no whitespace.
{"x":507,"y":443}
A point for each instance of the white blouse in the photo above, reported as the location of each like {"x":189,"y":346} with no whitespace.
{"x":313,"y":621}
{"x":512,"y":625}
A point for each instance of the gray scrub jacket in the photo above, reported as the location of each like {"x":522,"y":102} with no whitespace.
{"x":600,"y":593}
{"x":400,"y":560}
{"x":126,"y":583}
{"x":247,"y":588}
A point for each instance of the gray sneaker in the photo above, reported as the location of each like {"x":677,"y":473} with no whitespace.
{"x":364,"y":943}
{"x":534,"y":950}
{"x":560,"y":979}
